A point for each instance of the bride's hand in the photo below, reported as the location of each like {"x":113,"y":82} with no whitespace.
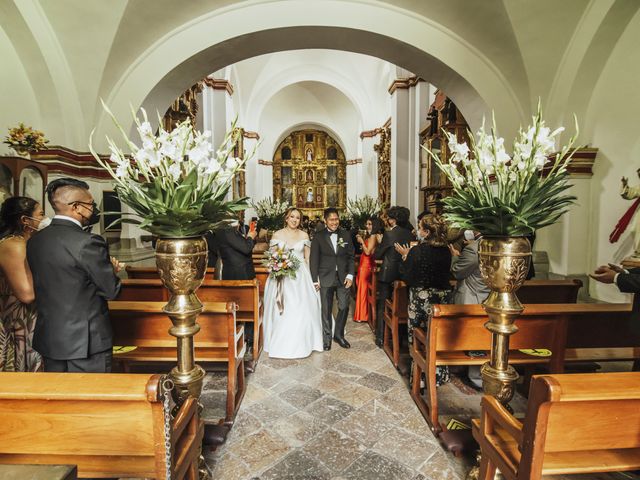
{"x":317,"y":285}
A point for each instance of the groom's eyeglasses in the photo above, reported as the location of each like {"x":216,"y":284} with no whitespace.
{"x":84,"y":204}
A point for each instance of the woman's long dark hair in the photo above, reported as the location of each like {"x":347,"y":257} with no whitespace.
{"x":376,"y":225}
{"x":13,"y":209}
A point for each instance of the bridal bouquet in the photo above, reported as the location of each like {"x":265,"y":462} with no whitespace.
{"x":281,"y":262}
{"x":504,"y":194}
{"x":176,"y":182}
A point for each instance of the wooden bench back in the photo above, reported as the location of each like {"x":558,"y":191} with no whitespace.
{"x":400,"y":299}
{"x":144,"y":324}
{"x":461,"y":327}
{"x":557,"y":327}
{"x":243,"y":292}
{"x":108,"y":424}
{"x":589,"y":413}
{"x":549,"y":291}
{"x":262,"y":273}
{"x":152,"y":272}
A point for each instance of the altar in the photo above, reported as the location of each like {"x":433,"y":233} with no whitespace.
{"x":309,"y":172}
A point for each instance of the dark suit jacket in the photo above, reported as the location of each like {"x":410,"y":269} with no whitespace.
{"x":324,"y":260}
{"x":73,"y":278}
{"x":630,"y":283}
{"x":390,"y":270}
{"x":212,"y":247}
{"x":235,"y":253}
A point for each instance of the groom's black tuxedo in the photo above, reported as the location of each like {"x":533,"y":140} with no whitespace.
{"x":73,"y":278}
{"x":329,"y":267}
{"x":324,"y":261}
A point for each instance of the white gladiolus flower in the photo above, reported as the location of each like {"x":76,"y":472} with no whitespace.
{"x":145,"y":130}
{"x":231,"y":163}
{"x":170,"y":151}
{"x":212,"y":166}
{"x":175,"y":171}
{"x":122,"y":171}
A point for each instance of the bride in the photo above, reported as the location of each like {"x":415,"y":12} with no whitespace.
{"x":298,"y":330}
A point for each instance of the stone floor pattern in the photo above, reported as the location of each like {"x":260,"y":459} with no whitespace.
{"x":343,"y":414}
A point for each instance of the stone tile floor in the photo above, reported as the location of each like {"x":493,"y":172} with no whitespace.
{"x":339,"y":415}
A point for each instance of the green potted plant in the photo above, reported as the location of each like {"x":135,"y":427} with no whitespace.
{"x":506,"y":197}
{"x":177,"y":184}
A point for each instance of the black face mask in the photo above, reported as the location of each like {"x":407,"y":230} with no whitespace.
{"x":94,"y":217}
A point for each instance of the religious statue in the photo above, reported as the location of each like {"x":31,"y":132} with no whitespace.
{"x":629,"y":193}
{"x":309,"y":155}
{"x":309,"y":175}
{"x":310,"y":195}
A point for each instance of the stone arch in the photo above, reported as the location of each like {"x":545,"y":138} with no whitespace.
{"x":226,"y":36}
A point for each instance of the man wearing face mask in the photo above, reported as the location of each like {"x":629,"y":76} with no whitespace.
{"x":73,"y":278}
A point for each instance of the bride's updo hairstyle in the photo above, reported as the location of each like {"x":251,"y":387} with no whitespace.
{"x":288,"y":212}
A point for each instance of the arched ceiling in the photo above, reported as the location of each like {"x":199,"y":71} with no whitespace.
{"x":502,"y":54}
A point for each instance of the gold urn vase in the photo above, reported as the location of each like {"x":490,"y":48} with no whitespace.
{"x":504,"y":264}
{"x":182,"y":263}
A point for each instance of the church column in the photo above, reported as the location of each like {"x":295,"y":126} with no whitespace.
{"x":368,"y":169}
{"x":408,"y":100}
{"x":217,"y":108}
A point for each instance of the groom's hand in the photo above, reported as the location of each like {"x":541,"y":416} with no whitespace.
{"x":317,"y":285}
{"x":347,"y":283}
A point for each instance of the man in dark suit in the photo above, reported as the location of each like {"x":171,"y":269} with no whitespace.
{"x":627,"y":281}
{"x":331,"y":262}
{"x":391,"y":259}
{"x":235,"y":245}
{"x":73,"y":278}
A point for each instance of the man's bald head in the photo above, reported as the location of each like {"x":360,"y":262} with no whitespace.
{"x":64,"y":191}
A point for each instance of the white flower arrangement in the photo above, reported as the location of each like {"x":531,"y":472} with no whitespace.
{"x":270,"y":213}
{"x":361,"y":209}
{"x":176,"y":182}
{"x":501,"y":194}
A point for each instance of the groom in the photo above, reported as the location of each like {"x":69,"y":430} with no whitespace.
{"x":332,"y":268}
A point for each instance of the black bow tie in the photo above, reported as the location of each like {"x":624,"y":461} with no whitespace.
{"x":334,"y":232}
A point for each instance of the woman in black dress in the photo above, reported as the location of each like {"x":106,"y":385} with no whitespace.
{"x":425,"y":269}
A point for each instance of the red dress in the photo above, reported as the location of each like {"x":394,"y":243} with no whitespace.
{"x":363,"y":280}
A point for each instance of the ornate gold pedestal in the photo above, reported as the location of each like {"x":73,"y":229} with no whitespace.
{"x":504,"y":263}
{"x":182,"y":263}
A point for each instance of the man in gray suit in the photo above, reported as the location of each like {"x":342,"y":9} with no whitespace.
{"x":73,"y":278}
{"x":470,"y":286}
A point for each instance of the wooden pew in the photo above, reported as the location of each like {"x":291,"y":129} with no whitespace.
{"x":262,"y":273}
{"x":456,"y":329}
{"x":549,"y":291}
{"x":109,"y":425}
{"x":245,"y":293}
{"x":532,"y":292}
{"x":579,"y":423}
{"x":146,"y":326}
{"x":141,"y":273}
{"x":395,"y":314}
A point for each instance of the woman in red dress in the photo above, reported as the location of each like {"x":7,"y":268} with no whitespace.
{"x":374,"y":229}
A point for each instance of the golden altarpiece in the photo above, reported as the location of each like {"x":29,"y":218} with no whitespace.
{"x":443,"y":114}
{"x":310,"y":172}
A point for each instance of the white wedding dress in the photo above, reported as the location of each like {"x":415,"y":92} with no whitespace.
{"x":298,"y":331}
